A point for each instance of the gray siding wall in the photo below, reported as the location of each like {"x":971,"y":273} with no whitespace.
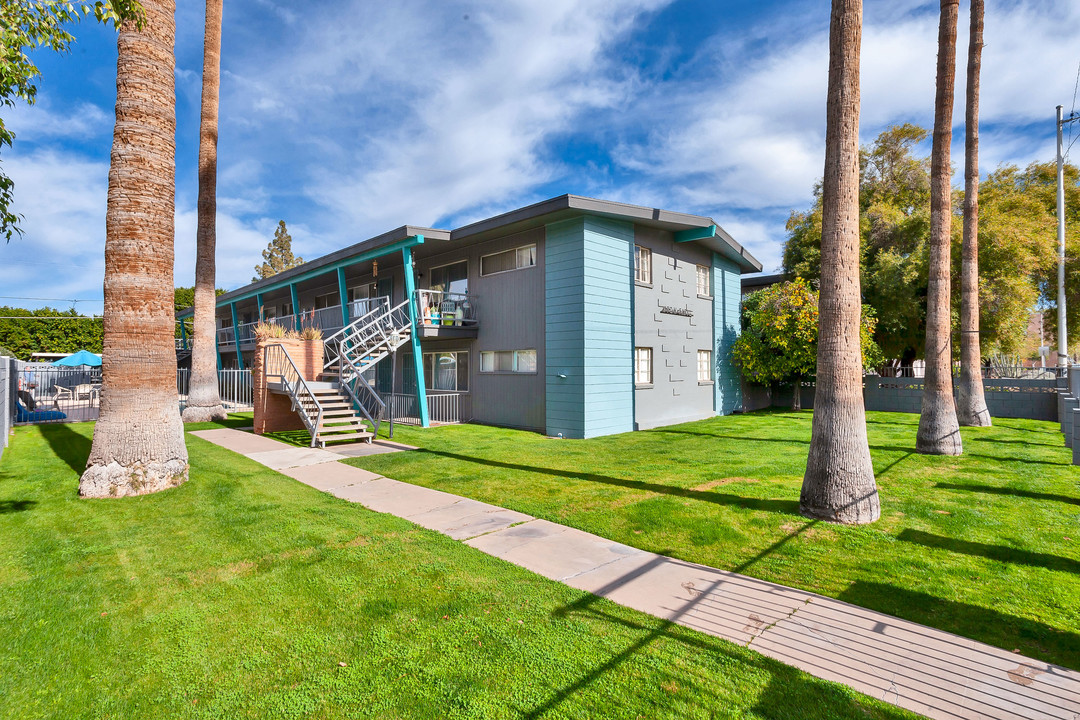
{"x":675,"y":395}
{"x":510,"y":311}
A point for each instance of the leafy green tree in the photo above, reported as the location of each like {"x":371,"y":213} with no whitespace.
{"x":39,"y":334}
{"x":183,"y":298}
{"x":26,"y":26}
{"x":278,"y":255}
{"x":1017,"y":241}
{"x":779,"y":335}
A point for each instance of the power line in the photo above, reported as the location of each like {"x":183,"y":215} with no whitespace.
{"x":1072,"y":112}
{"x":13,"y":297}
{"x":51,"y":317}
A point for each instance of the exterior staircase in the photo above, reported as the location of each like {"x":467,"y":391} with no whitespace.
{"x":342,"y":405}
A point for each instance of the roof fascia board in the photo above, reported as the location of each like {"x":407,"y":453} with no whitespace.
{"x":279,"y":282}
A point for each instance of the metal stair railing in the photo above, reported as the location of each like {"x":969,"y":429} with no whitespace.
{"x":278,"y":364}
{"x":368,"y":340}
{"x":374,"y":410}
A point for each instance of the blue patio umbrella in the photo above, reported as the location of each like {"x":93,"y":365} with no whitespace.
{"x":83,"y":357}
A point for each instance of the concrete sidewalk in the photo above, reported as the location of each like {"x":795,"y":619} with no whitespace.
{"x":919,"y":668}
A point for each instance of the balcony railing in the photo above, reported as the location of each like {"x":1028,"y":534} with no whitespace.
{"x":286,"y":321}
{"x":446,"y":309}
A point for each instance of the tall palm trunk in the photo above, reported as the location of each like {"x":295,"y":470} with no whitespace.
{"x":839,"y":482}
{"x":204,"y":400}
{"x":139,"y":439}
{"x":971,"y":402}
{"x":939,"y":432}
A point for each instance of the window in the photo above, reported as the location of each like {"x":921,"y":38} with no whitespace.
{"x":704,"y":281}
{"x":442,"y":371}
{"x":704,"y":366}
{"x":642,"y":264}
{"x":450,"y":278}
{"x":515,"y":259}
{"x":643,"y":366}
{"x":508,"y":361}
{"x":362,"y":292}
{"x":327,"y":300}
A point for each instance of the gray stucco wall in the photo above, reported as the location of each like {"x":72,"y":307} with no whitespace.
{"x":675,"y":395}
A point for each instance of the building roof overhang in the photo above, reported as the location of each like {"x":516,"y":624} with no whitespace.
{"x":566,"y":207}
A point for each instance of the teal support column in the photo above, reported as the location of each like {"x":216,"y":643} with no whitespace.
{"x":218,"y":348}
{"x":295,"y":305}
{"x":236,"y":336}
{"x":414,"y":338}
{"x":259,"y":300}
{"x":344,"y":295}
{"x":183,"y":335}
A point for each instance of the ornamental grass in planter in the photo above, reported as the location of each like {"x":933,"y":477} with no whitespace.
{"x":273,"y":410}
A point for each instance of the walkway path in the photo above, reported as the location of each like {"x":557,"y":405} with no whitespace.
{"x":919,"y":668}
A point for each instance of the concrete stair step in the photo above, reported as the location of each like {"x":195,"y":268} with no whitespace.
{"x":324,"y":438}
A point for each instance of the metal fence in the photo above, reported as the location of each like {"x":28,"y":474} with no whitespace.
{"x":35,"y":393}
{"x":6,"y":395}
{"x":992,"y":371}
{"x":234,"y":386}
{"x":443,"y":407}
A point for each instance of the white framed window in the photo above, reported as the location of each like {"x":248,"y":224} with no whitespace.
{"x":508,"y":361}
{"x":704,"y":281}
{"x":704,"y":366}
{"x":643,"y":366}
{"x":516,"y":259}
{"x":642,"y":264}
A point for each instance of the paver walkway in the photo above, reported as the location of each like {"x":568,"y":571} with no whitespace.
{"x":929,"y":671}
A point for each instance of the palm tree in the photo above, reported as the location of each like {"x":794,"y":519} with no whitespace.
{"x":139,"y":439}
{"x":839,"y":482}
{"x":939,"y":432}
{"x":971,"y":403}
{"x":204,"y":401}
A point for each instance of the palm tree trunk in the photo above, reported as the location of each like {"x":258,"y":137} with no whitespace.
{"x":139,"y":439}
{"x":971,"y":401}
{"x":204,"y":400}
{"x":839,"y":482}
{"x":939,"y":431}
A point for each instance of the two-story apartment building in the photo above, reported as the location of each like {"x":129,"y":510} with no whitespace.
{"x":574,"y":316}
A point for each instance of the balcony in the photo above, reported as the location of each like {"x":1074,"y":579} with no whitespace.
{"x":446,"y":315}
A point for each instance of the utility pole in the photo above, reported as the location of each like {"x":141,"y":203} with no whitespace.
{"x":1063,"y":344}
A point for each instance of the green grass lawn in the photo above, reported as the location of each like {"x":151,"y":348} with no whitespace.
{"x":245,"y":594}
{"x":984,"y":545}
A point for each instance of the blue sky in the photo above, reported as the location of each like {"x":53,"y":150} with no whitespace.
{"x":354,"y":117}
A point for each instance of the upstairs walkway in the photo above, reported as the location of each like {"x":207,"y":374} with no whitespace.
{"x":928,"y":671}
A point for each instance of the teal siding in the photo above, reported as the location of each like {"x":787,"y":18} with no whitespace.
{"x":564,"y":308}
{"x":589,"y":327}
{"x":727,"y":292}
{"x":609,"y":337}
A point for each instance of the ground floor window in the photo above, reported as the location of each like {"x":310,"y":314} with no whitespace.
{"x":704,"y":366}
{"x":442,"y":371}
{"x":643,"y":366}
{"x":509,"y":361}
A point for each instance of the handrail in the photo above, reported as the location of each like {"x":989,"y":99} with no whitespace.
{"x":379,"y":413}
{"x":293,"y":383}
{"x":361,"y":333}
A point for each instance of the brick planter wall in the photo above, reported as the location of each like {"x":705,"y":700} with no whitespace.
{"x":273,"y":411}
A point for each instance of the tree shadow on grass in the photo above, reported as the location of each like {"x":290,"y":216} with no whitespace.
{"x":790,"y":507}
{"x":885,"y":448}
{"x":992,"y":490}
{"x":68,"y":445}
{"x":13,"y":506}
{"x":999,"y":553}
{"x":1037,"y":640}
